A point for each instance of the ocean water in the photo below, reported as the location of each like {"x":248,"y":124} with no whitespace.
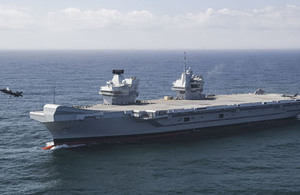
{"x":264,"y":161}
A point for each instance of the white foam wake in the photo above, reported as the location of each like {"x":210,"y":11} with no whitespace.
{"x":66,"y":146}
{"x":49,"y":143}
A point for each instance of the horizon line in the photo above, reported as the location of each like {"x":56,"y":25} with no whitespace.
{"x":183,"y":49}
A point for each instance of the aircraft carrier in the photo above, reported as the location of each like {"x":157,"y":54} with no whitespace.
{"x":122,"y":118}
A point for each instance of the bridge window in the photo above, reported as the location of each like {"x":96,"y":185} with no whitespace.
{"x":186,"y":119}
{"x":195,"y":85}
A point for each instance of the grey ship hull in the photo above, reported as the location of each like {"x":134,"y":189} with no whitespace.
{"x":106,"y":124}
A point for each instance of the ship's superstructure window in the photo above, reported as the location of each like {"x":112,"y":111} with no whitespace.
{"x":195,"y":85}
{"x":186,"y":119}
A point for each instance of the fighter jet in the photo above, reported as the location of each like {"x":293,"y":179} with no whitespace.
{"x":291,"y":96}
{"x":8,"y":91}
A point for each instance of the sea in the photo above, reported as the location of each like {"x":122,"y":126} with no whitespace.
{"x":263,"y":160}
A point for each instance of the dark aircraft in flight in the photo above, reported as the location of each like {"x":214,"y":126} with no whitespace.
{"x":8,"y":91}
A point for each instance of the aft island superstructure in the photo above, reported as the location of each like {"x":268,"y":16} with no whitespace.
{"x":121,"y":118}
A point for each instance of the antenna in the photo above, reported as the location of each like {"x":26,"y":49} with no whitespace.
{"x":54,"y":95}
{"x":184,"y":70}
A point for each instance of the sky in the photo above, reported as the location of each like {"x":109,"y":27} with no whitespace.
{"x":145,"y":24}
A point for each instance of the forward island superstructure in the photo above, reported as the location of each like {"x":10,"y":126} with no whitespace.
{"x":120,"y":91}
{"x":123,"y":119}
